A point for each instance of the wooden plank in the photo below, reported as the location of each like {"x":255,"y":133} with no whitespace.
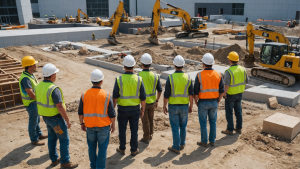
{"x":12,"y":108}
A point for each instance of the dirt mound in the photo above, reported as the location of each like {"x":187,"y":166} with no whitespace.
{"x":174,"y":30}
{"x":197,"y":51}
{"x":72,"y":107}
{"x":144,"y":31}
{"x":285,"y":30}
{"x":161,"y":30}
{"x":221,"y":54}
{"x":168,"y":45}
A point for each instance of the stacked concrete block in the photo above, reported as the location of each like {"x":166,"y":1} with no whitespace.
{"x":273,"y":103}
{"x":282,"y":125}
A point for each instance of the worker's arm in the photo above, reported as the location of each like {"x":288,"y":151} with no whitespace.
{"x":165,"y":105}
{"x":80,"y":114}
{"x":225,"y":91}
{"x":26,"y":84}
{"x":143,"y":99}
{"x":191,"y":97}
{"x":167,"y":94}
{"x":196,"y":90}
{"x":221,"y":89}
{"x":227,"y":79}
{"x":30,"y":93}
{"x":196,"y":98}
{"x":159,"y":91}
{"x":116,"y":93}
{"x":63,"y":113}
{"x":112,"y":115}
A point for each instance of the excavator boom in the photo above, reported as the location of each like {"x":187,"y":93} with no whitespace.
{"x":78,"y":15}
{"x":117,"y":18}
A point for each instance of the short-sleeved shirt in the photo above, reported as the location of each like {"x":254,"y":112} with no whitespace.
{"x":227,"y":77}
{"x":56,"y":94}
{"x":26,"y":83}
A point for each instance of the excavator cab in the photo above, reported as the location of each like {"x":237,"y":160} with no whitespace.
{"x":196,"y":22}
{"x":271,"y":53}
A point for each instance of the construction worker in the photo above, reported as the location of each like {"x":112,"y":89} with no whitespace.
{"x":97,"y":118}
{"x":27,"y":84}
{"x":93,"y":35}
{"x":51,"y":106}
{"x":208,"y":91}
{"x":129,"y":93}
{"x":235,"y":80}
{"x":179,"y":93}
{"x":152,"y":83}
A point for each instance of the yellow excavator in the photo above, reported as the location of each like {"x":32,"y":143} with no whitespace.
{"x":52,"y":20}
{"x":78,"y":16}
{"x":191,"y":27}
{"x":117,"y":18}
{"x":278,"y":65}
{"x":124,"y":17}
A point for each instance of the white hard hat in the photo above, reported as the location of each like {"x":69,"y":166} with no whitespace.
{"x":208,"y":59}
{"x":178,"y":61}
{"x":129,"y":61}
{"x":49,"y":69}
{"x":146,"y":59}
{"x":97,"y":76}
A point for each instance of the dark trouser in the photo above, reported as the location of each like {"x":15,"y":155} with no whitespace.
{"x":34,"y":122}
{"x":133,"y":118}
{"x":93,"y":38}
{"x":147,"y":120}
{"x":234,"y":102}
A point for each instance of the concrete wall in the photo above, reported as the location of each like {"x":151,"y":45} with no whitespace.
{"x":60,"y":8}
{"x":24,"y":11}
{"x":35,"y":8}
{"x":254,"y":9}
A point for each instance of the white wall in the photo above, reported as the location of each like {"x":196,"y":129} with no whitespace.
{"x":24,"y":11}
{"x":60,"y":8}
{"x":254,"y":9}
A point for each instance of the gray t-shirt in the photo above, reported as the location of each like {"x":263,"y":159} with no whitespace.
{"x":227,"y":78}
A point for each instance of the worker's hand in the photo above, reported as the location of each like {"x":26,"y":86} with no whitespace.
{"x":165,"y":110}
{"x":190,"y":109}
{"x":112,"y":127}
{"x":225,"y":96}
{"x":156,"y":104}
{"x":141,"y":113}
{"x":68,"y":124}
{"x":83,"y":128}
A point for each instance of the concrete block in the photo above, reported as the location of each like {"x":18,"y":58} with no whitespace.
{"x":273,"y":102}
{"x":161,"y":67}
{"x":115,"y":67}
{"x":128,"y":52}
{"x":187,"y":61}
{"x":165,"y":74}
{"x":282,"y":125}
{"x":261,"y":94}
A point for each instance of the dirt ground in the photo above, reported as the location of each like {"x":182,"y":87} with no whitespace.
{"x":252,"y":149}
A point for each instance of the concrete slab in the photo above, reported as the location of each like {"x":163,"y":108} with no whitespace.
{"x":282,"y":125}
{"x":164,"y":40}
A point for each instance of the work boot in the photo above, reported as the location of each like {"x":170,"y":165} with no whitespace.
{"x":212,"y":144}
{"x":227,"y":132}
{"x":202,"y":144}
{"x":145,"y":141}
{"x":174,"y":150}
{"x":121,"y":151}
{"x":55,"y":163}
{"x":238,"y":131}
{"x":135,"y":153}
{"x":182,"y":147}
{"x":38,"y":143}
{"x":43,"y":137}
{"x":68,"y":165}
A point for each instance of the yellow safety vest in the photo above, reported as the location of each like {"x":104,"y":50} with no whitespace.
{"x":180,"y":83}
{"x":129,"y":89}
{"x":25,"y":97}
{"x":45,"y":104}
{"x":237,"y":80}
{"x":150,"y":82}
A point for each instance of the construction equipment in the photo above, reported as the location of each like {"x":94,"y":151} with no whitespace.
{"x":278,"y":64}
{"x":52,"y":20}
{"x":124,"y":17}
{"x":190,"y":26}
{"x":139,"y":18}
{"x":292,"y":24}
{"x":78,"y":16}
{"x":117,"y":18}
{"x":67,"y":19}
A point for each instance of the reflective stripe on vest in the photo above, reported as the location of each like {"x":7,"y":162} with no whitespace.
{"x":48,"y":95}
{"x":209,"y":87}
{"x":185,"y":94}
{"x":201,"y":87}
{"x":233,"y":81}
{"x":237,"y":79}
{"x":154,"y":87}
{"x":26,"y":99}
{"x":96,"y":114}
{"x":129,"y":97}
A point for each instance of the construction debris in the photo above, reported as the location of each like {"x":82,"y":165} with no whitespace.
{"x":273,"y":103}
{"x":83,"y":50}
{"x":168,"y":45}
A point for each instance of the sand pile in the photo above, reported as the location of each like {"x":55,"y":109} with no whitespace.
{"x":174,"y":30}
{"x":168,"y":45}
{"x":285,"y":30}
{"x":161,"y":30}
{"x":144,"y":31}
{"x":196,"y":50}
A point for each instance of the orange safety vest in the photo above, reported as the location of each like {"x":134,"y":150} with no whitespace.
{"x":209,"y":84}
{"x":95,"y":107}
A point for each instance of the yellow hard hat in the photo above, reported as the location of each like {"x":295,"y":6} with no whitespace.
{"x":28,"y":61}
{"x":233,"y":56}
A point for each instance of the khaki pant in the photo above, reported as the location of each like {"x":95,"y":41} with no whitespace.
{"x":147,"y":121}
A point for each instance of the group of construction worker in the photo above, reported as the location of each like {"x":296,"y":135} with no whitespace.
{"x":137,"y":96}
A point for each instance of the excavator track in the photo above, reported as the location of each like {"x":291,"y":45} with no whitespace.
{"x":273,"y":76}
{"x":198,"y":34}
{"x":182,"y":34}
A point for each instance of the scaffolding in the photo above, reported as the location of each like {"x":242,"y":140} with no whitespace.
{"x":10,"y":72}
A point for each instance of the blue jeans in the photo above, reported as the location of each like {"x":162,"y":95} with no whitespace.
{"x":208,"y":108}
{"x":98,"y":135}
{"x":34,"y":122}
{"x":234,"y":102}
{"x":57,"y":129}
{"x":133,"y":118}
{"x":178,"y":119}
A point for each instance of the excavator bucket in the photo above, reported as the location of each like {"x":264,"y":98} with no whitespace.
{"x":113,"y":40}
{"x":249,"y":61}
{"x":154,"y":40}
